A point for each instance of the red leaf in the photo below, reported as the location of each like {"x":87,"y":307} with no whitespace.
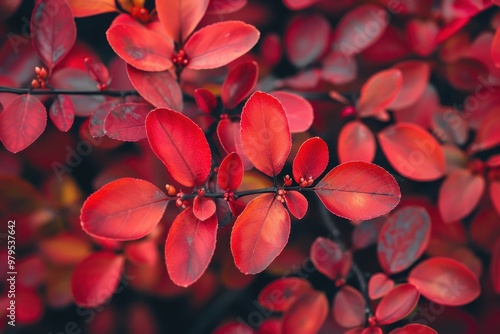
{"x":142,"y":48}
{"x":379,"y":285}
{"x":459,"y":194}
{"x":127,"y":121}
{"x":403,"y":238}
{"x":143,"y":252}
{"x":219,"y":44}
{"x":495,"y":266}
{"x":259,"y":234}
{"x":53,"y":30}
{"x":299,"y":111}
{"x":180,"y":144}
{"x":445,"y":281}
{"x":221,"y":7}
{"x":494,"y":190}
{"x":265,"y":134}
{"x":358,"y":190}
{"x":422,"y":36}
{"x":190,"y":246}
{"x":98,"y":117}
{"x":307,"y":314}
{"x":125,"y":209}
{"x":62,"y":112}
{"x":414,"y":329}
{"x":379,"y":91}
{"x":230,"y":172}
{"x":75,"y":249}
{"x":96,"y":278}
{"x":229,"y":136}
{"x":349,"y":307}
{"x":495,"y":48}
{"x":397,"y":304}
{"x":22,"y":121}
{"x":356,"y":142}
{"x":360,"y":28}
{"x":311,"y":160}
{"x":413,"y":152}
{"x":180,"y":17}
{"x":234,"y":327}
{"x":203,"y":208}
{"x":415,"y":79}
{"x":97,"y":71}
{"x":327,"y":257}
{"x":299,"y":4}
{"x":306,"y":39}
{"x":82,"y":8}
{"x":296,"y":203}
{"x":339,"y":68}
{"x":488,"y":133}
{"x":271,"y":49}
{"x":239,"y":83}
{"x":158,"y":88}
{"x":280,"y":294}
{"x":205,"y":100}
{"x":29,"y":306}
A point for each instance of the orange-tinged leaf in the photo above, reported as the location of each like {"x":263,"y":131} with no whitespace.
{"x":219,"y":44}
{"x":307,"y":314}
{"x":259,"y":234}
{"x":311,"y":160}
{"x":299,"y":111}
{"x":82,"y":8}
{"x":358,"y":190}
{"x":413,"y":152}
{"x":349,"y":307}
{"x":180,"y":144}
{"x":445,"y":281}
{"x":22,"y":121}
{"x":356,"y":142}
{"x":96,"y":278}
{"x":265,"y":134}
{"x":397,"y":304}
{"x":239,"y":83}
{"x":280,"y":294}
{"x":75,"y":249}
{"x":379,"y":285}
{"x":124,"y":209}
{"x":459,"y":194}
{"x":203,"y":207}
{"x":379,"y":91}
{"x":190,"y":246}
{"x":180,"y":17}
{"x":403,"y":238}
{"x":230,"y":172}
{"x":296,"y":203}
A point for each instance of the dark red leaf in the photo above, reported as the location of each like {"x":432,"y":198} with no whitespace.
{"x":296,"y":203}
{"x":488,"y":133}
{"x":379,"y":91}
{"x":259,"y":234}
{"x":459,"y":194}
{"x":142,"y":48}
{"x":307,"y":314}
{"x":230,"y":172}
{"x":82,"y":8}
{"x":397,"y":304}
{"x":349,"y":307}
{"x":97,"y":71}
{"x":125,"y":209}
{"x":221,"y":7}
{"x":279,"y":295}
{"x":239,"y":83}
{"x":414,"y":329}
{"x":53,"y":30}
{"x":495,"y":48}
{"x":445,"y":281}
{"x":339,"y":68}
{"x":180,"y":144}
{"x":190,"y":246}
{"x":218,"y":44}
{"x":495,"y":266}
{"x":229,"y":136}
{"x":22,"y":121}
{"x":356,"y":142}
{"x":265,"y":134}
{"x":143,"y":253}
{"x":180,"y":17}
{"x":234,"y":327}
{"x":205,"y":100}
{"x":306,"y":39}
{"x":358,"y":190}
{"x":379,"y":285}
{"x":413,"y":152}
{"x":98,"y":117}
{"x":127,"y":121}
{"x":415,"y":79}
{"x":403,"y":238}
{"x":158,"y":88}
{"x":299,"y":4}
{"x":203,"y":207}
{"x":271,"y":49}
{"x":62,"y":112}
{"x":299,"y":111}
{"x":311,"y":160}
{"x":422,"y":36}
{"x":327,"y":257}
{"x":96,"y":278}
{"x":494,"y":190}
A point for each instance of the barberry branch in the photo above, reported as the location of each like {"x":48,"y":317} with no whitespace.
{"x":114,"y":93}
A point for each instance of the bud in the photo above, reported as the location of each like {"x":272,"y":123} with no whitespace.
{"x":171,"y":191}
{"x":35,"y":84}
{"x":287,"y":180}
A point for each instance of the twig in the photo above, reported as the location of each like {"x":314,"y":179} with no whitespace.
{"x":19,"y":91}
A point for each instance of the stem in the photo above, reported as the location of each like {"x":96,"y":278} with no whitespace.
{"x":238,"y":194}
{"x":19,"y":91}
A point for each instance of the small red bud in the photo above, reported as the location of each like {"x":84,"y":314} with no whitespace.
{"x":171,"y":191}
{"x":287,"y":180}
{"x":35,"y":84}
{"x":43,"y":74}
{"x":372,"y":321}
{"x":201,"y":192}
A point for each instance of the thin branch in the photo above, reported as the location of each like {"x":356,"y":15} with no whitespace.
{"x":19,"y":91}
